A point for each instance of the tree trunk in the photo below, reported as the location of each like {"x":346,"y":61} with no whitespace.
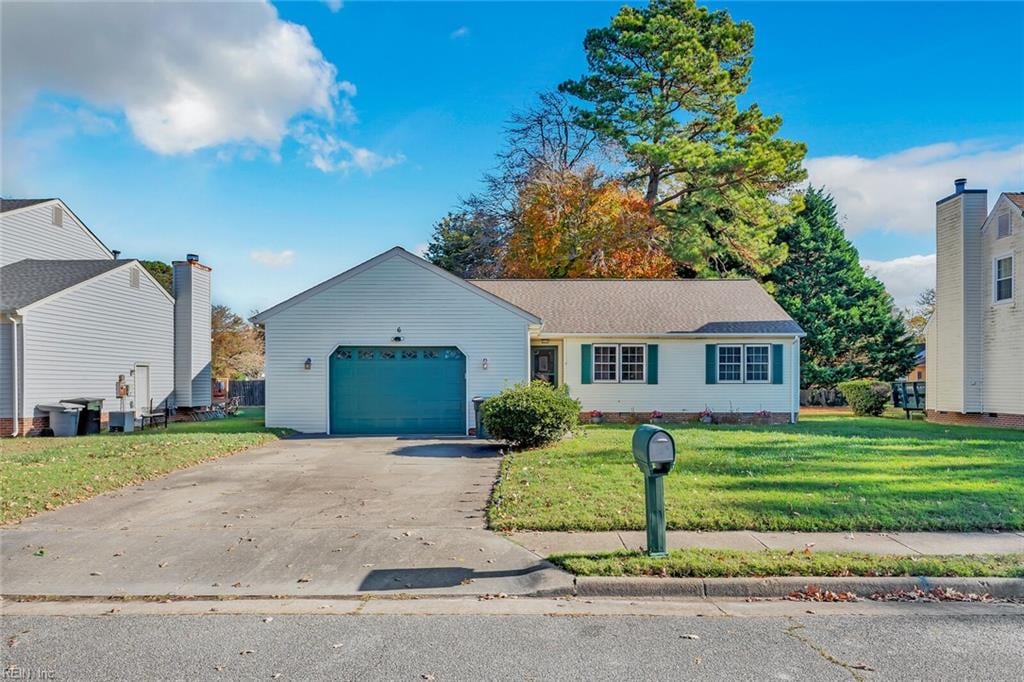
{"x":653,"y":179}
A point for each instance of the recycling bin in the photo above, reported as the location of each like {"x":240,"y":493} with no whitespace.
{"x":63,"y":419}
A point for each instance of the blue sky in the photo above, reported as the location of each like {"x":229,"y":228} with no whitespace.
{"x":284,"y":157}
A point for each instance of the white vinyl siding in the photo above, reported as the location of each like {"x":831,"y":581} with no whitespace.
{"x":30,"y":233}
{"x":681,"y":377}
{"x":367,"y":309}
{"x":1002,"y":323}
{"x":77,"y":344}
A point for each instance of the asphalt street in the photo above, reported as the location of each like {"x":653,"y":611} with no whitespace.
{"x":798,"y":642}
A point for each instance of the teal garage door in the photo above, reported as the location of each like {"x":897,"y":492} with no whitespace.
{"x":386,"y":390}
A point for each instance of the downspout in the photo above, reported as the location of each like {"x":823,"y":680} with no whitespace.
{"x":794,"y":395}
{"x":14,"y":376}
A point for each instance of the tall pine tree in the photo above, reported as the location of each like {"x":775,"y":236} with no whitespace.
{"x":853,"y":328}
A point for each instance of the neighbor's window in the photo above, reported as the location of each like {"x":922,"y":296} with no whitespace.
{"x":1004,"y":226}
{"x":1004,"y":278}
{"x":605,"y":363}
{"x":757,"y":364}
{"x":633,"y":363}
{"x":730,"y":363}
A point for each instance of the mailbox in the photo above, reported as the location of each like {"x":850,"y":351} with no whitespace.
{"x":655,"y":454}
{"x":654,"y":450}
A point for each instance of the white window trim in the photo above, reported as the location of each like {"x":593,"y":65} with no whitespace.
{"x":643,"y":364}
{"x":995,"y":279}
{"x":718,"y":363}
{"x":743,"y":373}
{"x":593,"y":363}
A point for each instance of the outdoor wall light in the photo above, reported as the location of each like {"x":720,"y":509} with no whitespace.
{"x":485,"y":363}
{"x":308,"y":364}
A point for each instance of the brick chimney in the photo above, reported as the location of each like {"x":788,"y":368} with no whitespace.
{"x":192,"y":333}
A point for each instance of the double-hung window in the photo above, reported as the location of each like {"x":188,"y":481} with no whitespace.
{"x":1002,"y":271}
{"x":633,"y":363}
{"x":755,"y":364}
{"x":730,"y":364}
{"x":606,"y":363}
{"x":619,"y":363}
{"x":744,"y":364}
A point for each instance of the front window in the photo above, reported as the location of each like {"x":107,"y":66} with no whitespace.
{"x":606,"y":363}
{"x":730,"y":362}
{"x":757,"y":364}
{"x":1003,"y":271}
{"x":633,"y":364}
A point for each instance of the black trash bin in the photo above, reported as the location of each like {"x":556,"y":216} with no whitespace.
{"x":89,"y":417}
{"x":481,"y":432}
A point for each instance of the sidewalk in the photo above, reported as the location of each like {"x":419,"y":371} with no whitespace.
{"x":546,"y":543}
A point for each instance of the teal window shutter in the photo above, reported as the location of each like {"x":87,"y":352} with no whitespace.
{"x":710,"y":363}
{"x":586,"y":357}
{"x":652,"y":363}
{"x":776,"y":363}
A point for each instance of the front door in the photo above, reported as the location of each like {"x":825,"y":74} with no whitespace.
{"x":141,"y":389}
{"x":545,"y":364}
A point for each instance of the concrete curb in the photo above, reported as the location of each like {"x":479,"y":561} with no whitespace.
{"x":1000,"y":588}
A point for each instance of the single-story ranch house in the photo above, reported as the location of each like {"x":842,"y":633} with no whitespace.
{"x":397,"y":345}
{"x":77,"y":321}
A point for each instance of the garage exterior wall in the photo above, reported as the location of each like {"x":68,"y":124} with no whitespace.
{"x":366,"y":310}
{"x":681,"y":383}
{"x":77,"y":344}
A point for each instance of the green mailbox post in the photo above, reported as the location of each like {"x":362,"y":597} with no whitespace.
{"x":655,"y":454}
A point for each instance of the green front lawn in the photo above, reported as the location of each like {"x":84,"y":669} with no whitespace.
{"x":712,"y":563}
{"x":38,"y":474}
{"x":827,"y":473}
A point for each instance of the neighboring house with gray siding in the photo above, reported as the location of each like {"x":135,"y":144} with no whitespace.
{"x":975,"y":337}
{"x":398,"y":345}
{"x":74,"y":319}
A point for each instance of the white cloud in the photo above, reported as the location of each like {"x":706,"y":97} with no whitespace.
{"x":460,"y":32}
{"x":904,"y":278}
{"x":273,"y":259}
{"x":332,"y":154}
{"x":334,"y":5}
{"x":421,"y":249}
{"x":187,"y":76}
{"x":897,"y":192}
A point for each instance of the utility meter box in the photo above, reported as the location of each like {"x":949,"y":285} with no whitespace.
{"x":654,"y":450}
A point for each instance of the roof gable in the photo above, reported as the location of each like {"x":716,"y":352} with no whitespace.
{"x":10,"y":206}
{"x":31,"y":281}
{"x":396,"y":252}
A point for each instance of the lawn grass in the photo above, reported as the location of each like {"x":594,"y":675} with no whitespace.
{"x":714,"y":563}
{"x":827,"y":473}
{"x":38,"y":474}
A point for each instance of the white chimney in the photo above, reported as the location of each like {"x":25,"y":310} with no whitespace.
{"x":193,"y":352}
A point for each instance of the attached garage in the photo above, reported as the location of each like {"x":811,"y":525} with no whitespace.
{"x":397,"y":390}
{"x":392,"y":346}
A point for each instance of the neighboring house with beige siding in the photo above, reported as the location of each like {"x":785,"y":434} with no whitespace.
{"x":74,"y":319}
{"x":398,"y":345}
{"x":975,"y":337}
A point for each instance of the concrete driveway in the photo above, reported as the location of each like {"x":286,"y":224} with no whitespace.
{"x":303,"y":516}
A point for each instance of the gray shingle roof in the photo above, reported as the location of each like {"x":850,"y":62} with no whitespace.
{"x":609,"y":307}
{"x":27,"y":281}
{"x":13,"y":204}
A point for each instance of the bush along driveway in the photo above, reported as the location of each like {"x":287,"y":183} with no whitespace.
{"x":40,"y":474}
{"x":827,"y":473}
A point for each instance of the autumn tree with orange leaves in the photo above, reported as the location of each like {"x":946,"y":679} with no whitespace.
{"x":575,"y":224}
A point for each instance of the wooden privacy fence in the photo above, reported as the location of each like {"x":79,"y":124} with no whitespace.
{"x":250,"y":393}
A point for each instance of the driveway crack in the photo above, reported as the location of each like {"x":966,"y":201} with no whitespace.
{"x":853,"y":668}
